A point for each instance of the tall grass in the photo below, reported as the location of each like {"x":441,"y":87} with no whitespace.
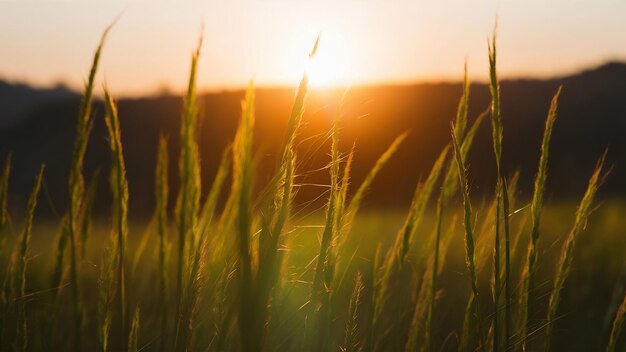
{"x":119,"y":189}
{"x":351,"y":340}
{"x":498,"y":136}
{"x":404,"y":239}
{"x":527,"y":306}
{"x":188,"y":202}
{"x":618,"y":324}
{"x":319,"y":311}
{"x":106,"y":294}
{"x":242,"y":188}
{"x":567,"y":252}
{"x":347,"y":214}
{"x":76,"y":188}
{"x":21,"y":328}
{"x":469,"y":238}
{"x":448,"y":189}
{"x":196,"y":267}
{"x":161,"y":202}
{"x":133,"y":335}
{"x":257,"y":285}
{"x":237,"y":281}
{"x":61,"y":246}
{"x":86,"y":216}
{"x":359,"y":194}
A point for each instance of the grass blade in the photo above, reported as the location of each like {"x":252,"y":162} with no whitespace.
{"x":210,"y":204}
{"x":449,"y":188}
{"x":404,"y":239}
{"x":351,"y":340}
{"x":618,"y":324}
{"x":21,"y":338}
{"x":106,"y":289}
{"x":76,"y":186}
{"x":527,"y":307}
{"x":4,"y":193}
{"x":317,"y":321}
{"x":357,"y":198}
{"x":162,"y":198}
{"x":469,"y":237}
{"x":508,"y":302}
{"x":496,"y":115}
{"x":565,"y":261}
{"x":119,"y":189}
{"x":133,"y":336}
{"x":86,"y":221}
{"x":242,"y":187}
{"x":57,"y":273}
{"x":188,"y":202}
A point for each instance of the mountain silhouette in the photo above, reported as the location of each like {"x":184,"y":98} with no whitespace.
{"x":37,"y":126}
{"x":18,"y":100}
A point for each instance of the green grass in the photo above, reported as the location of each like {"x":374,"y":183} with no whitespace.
{"x":565,"y":262}
{"x":161,"y":200}
{"x":21,"y":251}
{"x":76,"y":189}
{"x":119,"y":189}
{"x":469,"y":240}
{"x":617,"y":326}
{"x":252,"y":276}
{"x":526,"y":306}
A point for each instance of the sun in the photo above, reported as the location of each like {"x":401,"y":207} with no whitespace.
{"x":330,"y":67}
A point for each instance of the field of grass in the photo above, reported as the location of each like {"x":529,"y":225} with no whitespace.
{"x":451,"y":272}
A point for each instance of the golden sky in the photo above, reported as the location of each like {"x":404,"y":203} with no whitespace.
{"x":363,"y":41}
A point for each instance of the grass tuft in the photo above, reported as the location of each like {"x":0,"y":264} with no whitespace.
{"x":567,"y":252}
{"x":469,"y":238}
{"x":119,"y":189}
{"x":242,"y":188}
{"x":527,"y":306}
{"x":76,"y":189}
{"x":188,"y":202}
{"x":351,"y":341}
{"x":21,"y":328}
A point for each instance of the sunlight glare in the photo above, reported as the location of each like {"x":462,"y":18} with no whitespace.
{"x":330,"y":66}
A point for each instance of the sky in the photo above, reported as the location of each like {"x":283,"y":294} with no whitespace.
{"x":45,"y":43}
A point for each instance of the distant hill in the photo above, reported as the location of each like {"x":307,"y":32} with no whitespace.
{"x":18,"y":100}
{"x":37,"y":126}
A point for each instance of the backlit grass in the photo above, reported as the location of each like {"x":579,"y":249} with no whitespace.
{"x":250,"y":275}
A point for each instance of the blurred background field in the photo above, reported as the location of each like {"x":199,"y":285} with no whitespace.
{"x":591,"y":295}
{"x":590,"y":120}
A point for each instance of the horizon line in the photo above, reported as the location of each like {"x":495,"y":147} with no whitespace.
{"x":165,"y":90}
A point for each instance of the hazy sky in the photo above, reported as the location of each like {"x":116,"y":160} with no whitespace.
{"x":364,"y":41}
